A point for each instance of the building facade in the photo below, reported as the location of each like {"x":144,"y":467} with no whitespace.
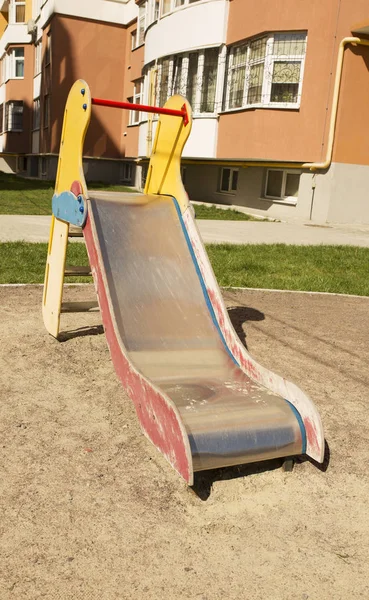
{"x":278,"y":92}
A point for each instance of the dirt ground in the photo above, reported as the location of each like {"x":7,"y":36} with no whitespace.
{"x":90,"y":510}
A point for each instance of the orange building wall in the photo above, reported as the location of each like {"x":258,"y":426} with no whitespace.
{"x":292,"y":135}
{"x":352,"y":130}
{"x":95,"y":52}
{"x":351,"y":144}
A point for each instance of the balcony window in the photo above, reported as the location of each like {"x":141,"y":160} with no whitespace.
{"x":17,"y":12}
{"x":266,"y":71}
{"x":36,"y":114}
{"x":14,"y":115}
{"x":193,"y":75}
{"x":1,"y":118}
{"x":141,"y":23}
{"x":13,"y":64}
{"x":38,"y":57}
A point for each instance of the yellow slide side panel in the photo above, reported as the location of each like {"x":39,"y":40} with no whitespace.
{"x":164,"y":174}
{"x":70,"y":169}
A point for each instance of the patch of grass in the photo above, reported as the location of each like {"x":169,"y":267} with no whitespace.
{"x":24,"y":262}
{"x":338,"y":269}
{"x":213,"y":213}
{"x":19,"y":196}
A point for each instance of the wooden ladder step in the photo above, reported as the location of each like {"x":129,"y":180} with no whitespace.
{"x":75,"y":271}
{"x":76,"y":307}
{"x":75,"y":232}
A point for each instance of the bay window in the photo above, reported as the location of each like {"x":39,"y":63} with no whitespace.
{"x":266,"y":71}
{"x":193,"y":75}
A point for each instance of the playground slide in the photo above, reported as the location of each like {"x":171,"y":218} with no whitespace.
{"x":192,"y":381}
{"x":200,"y":397}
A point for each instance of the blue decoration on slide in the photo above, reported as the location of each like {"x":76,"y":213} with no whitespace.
{"x":70,"y":208}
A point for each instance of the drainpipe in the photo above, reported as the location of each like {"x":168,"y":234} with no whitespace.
{"x":152,"y":87}
{"x":332,"y":126}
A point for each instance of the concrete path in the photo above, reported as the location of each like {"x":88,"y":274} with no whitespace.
{"x":33,"y":228}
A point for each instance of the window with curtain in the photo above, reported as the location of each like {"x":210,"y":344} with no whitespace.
{"x":266,"y":71}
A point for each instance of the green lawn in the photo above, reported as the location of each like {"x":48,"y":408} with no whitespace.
{"x":340,"y":269}
{"x":211,"y":212}
{"x":19,"y":196}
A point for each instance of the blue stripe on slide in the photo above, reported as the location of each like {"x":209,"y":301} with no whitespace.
{"x":215,"y":321}
{"x":203,"y":286}
{"x":301,"y":425}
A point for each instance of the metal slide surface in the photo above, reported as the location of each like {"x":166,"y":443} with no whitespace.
{"x":167,"y":327}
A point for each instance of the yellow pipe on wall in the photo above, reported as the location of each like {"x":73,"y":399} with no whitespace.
{"x":336,"y":92}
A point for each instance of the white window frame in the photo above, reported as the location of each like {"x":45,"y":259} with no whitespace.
{"x":10,"y":64}
{"x":9,"y":115}
{"x":135,"y":116}
{"x":229,"y":191}
{"x":173,"y":60}
{"x":141,"y":23}
{"x":283,"y":199}
{"x":13,"y":11}
{"x":38,"y":58}
{"x":126,"y":172}
{"x":268,"y":61}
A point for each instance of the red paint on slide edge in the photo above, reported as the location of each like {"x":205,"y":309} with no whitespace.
{"x":157,"y":418}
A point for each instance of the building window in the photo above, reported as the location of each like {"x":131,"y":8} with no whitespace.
{"x":22,"y":163}
{"x":36,"y":114}
{"x":266,"y":71}
{"x":228,"y":180}
{"x":1,"y":118}
{"x":43,"y":165}
{"x":46,"y":111}
{"x":17,"y":12}
{"x":141,"y":23}
{"x":13,"y":67}
{"x":193,"y":75}
{"x":282,"y":185}
{"x":134,"y":115}
{"x":38,"y":58}
{"x":18,"y":63}
{"x":14,"y":115}
{"x":134,"y":39}
{"x":126,"y":172}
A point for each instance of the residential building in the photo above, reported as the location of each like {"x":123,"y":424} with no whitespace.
{"x":279,"y":103}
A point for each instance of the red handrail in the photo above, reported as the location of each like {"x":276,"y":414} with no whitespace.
{"x":144,"y":108}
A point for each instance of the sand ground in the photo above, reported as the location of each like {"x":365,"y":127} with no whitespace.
{"x":90,"y":510}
